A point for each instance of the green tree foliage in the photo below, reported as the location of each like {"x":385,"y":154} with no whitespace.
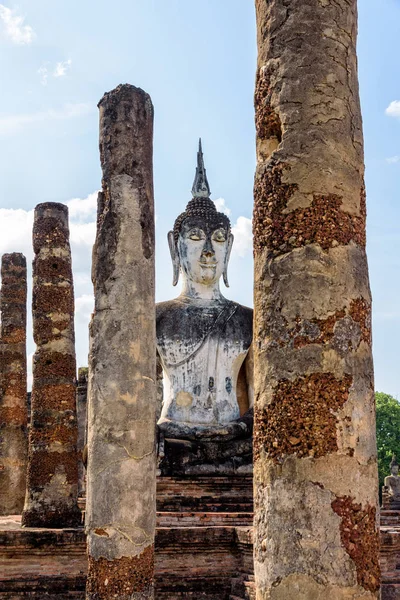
{"x":387,"y":432}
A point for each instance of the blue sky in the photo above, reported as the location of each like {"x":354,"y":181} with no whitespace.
{"x":197,"y":61}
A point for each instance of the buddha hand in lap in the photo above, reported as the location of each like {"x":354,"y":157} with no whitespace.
{"x":203,"y":339}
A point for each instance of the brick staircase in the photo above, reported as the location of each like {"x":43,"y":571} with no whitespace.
{"x":203,"y":547}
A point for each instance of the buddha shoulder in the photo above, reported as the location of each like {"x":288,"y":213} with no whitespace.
{"x":175,"y":317}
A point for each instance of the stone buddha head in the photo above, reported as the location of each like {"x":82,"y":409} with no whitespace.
{"x":201,"y":241}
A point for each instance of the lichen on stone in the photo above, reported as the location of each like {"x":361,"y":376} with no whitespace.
{"x":360,"y":537}
{"x":268,"y":123}
{"x":324,"y":222}
{"x":122,"y":577}
{"x":301,"y":417}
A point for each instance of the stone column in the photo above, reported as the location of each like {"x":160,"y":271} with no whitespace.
{"x":52,"y":482}
{"x":81,"y":407}
{"x":121,"y":476}
{"x":315,"y":464}
{"x":13,"y":390}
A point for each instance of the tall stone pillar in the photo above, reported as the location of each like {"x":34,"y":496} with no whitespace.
{"x":315,"y":465}
{"x":13,"y":389}
{"x":121,"y":476}
{"x":81,"y":408}
{"x":52,"y":481}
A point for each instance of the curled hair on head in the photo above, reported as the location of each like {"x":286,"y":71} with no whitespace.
{"x":394,"y":462}
{"x":202,"y":208}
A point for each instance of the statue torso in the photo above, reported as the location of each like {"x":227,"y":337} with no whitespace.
{"x":202,"y":347}
{"x":393,"y":483}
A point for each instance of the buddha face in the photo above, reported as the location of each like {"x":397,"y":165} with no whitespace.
{"x":203,"y":250}
{"x":395,"y":469}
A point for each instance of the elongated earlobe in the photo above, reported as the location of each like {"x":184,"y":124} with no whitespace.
{"x":174,"y":257}
{"x":227,"y":256}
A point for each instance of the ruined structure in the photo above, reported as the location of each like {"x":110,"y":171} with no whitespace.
{"x":315,"y":534}
{"x":203,"y":342}
{"x":121,"y":477}
{"x":13,"y":403}
{"x":81,"y":409}
{"x":52,"y":478}
{"x":391,"y":488}
{"x":314,"y":448}
{"x":390,"y":534}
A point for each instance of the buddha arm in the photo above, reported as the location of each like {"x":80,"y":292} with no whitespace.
{"x":249,"y":366}
{"x":244,"y":387}
{"x":159,"y":387}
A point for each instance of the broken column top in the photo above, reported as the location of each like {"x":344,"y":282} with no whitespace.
{"x":16,"y":259}
{"x":121,"y":145}
{"x":50,"y":226}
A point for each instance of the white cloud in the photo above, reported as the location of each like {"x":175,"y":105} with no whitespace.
{"x":220,"y":204}
{"x":82,"y":234}
{"x":14,"y":28}
{"x":44,"y":75}
{"x":84,"y":209}
{"x":62,"y":67}
{"x":393,"y":159}
{"x":242,"y":231}
{"x":84,"y":306}
{"x":16,"y":231}
{"x":393,"y":110}
{"x":11,"y":124}
{"x":60,"y":70}
{"x":16,"y":236}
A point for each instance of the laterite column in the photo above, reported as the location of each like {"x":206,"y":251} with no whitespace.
{"x":52,"y":482}
{"x":315,"y":467}
{"x":121,"y":476}
{"x":13,"y":389}
{"x":81,"y":407}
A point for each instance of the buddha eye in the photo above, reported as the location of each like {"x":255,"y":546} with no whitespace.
{"x":195,"y":234}
{"x":219,"y":235}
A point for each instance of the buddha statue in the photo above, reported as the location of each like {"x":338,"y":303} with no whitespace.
{"x":204,"y":339}
{"x":391,"y":489}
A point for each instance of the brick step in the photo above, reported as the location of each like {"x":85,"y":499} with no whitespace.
{"x":29,"y":595}
{"x":207,"y":587}
{"x":203,"y":519}
{"x":243,"y":588}
{"x":391,"y":592}
{"x":205,"y":494}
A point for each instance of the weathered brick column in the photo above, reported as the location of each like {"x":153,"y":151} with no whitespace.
{"x":81,"y":408}
{"x":121,"y":481}
{"x":315,"y":453}
{"x":13,"y":390}
{"x":52,"y":482}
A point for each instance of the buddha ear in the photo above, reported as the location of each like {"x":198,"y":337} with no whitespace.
{"x":174,"y":257}
{"x":227,"y":256}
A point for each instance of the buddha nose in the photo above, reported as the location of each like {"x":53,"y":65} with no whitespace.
{"x":208,"y":250}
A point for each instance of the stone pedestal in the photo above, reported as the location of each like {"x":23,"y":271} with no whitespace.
{"x":52,"y":481}
{"x":189,"y":458}
{"x":13,"y":400}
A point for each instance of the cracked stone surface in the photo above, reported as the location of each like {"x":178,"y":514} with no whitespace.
{"x":13,"y":404}
{"x":52,"y":476}
{"x":121,"y":477}
{"x":314,"y":439}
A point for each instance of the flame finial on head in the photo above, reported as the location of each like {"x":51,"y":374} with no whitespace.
{"x":200,"y":188}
